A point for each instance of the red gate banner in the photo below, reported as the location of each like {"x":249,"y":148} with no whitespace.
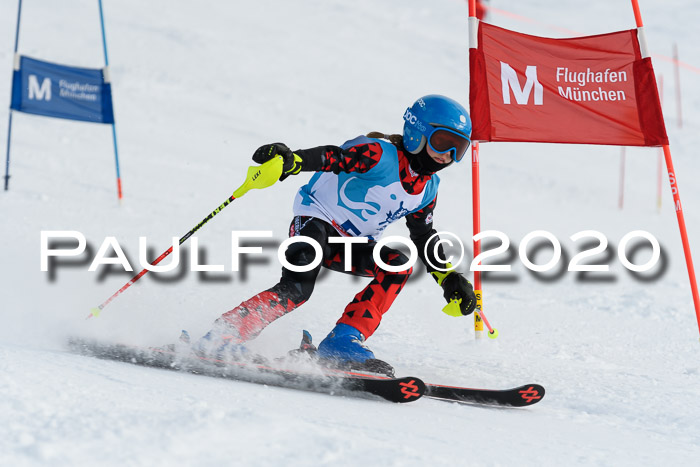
{"x":584,"y":90}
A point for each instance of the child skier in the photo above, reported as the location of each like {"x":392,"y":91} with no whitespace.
{"x":358,"y":189}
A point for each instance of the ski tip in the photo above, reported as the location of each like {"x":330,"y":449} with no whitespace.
{"x":520,"y":396}
{"x":411,"y":389}
{"x":400,"y":390}
{"x":529,"y":394}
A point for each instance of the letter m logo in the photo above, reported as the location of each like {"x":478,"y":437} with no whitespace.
{"x":509,"y":81}
{"x":37,"y":92}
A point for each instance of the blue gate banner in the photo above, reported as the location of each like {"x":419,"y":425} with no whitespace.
{"x":60,"y":91}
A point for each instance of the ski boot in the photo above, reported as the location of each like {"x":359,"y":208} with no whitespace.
{"x":344,"y":348}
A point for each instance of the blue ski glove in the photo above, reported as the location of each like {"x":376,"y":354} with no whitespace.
{"x":292,"y":162}
{"x":456,"y":287}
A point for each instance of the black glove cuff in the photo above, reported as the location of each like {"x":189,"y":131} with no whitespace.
{"x":268,"y":151}
{"x":456,"y":286}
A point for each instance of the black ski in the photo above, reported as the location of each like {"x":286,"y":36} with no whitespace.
{"x":521,"y":396}
{"x":406,"y":389}
{"x":516,"y":397}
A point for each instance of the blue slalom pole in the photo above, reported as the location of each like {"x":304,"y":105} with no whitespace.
{"x":9,"y":121}
{"x":114,"y":126}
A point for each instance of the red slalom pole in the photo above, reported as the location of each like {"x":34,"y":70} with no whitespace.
{"x":261,"y":176}
{"x":637,"y":14}
{"x":660,"y":157}
{"x":674,"y":187}
{"x":476,"y":228}
{"x":476,"y":201}
{"x":684,"y":233}
{"x":479,"y":317}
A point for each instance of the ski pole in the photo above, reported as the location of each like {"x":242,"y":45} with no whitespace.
{"x":493,"y":332}
{"x":258,"y":176}
{"x":453,"y":309}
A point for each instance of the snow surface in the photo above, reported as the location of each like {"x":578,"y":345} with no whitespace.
{"x":197,"y":87}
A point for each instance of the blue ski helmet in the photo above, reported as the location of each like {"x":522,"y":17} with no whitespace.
{"x":440,"y":122}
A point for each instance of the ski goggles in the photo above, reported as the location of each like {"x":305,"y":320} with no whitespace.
{"x":441,"y":139}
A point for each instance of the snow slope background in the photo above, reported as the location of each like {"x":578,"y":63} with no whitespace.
{"x":197,"y":87}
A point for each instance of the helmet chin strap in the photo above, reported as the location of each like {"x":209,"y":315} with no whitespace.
{"x":423,"y":164}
